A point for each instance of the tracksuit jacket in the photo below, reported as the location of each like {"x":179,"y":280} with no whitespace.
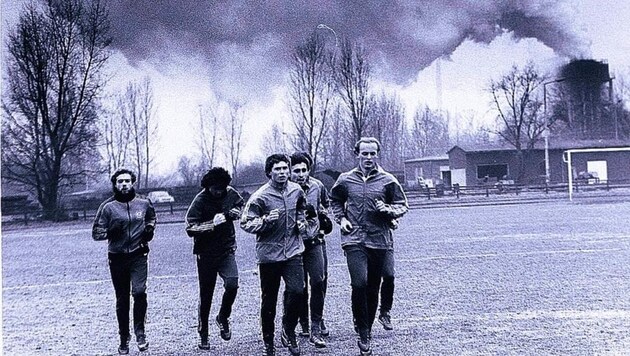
{"x":278,"y":240}
{"x":122,"y":222}
{"x":354,"y":197}
{"x":321,"y":194}
{"x":317,"y":196}
{"x":213,"y":240}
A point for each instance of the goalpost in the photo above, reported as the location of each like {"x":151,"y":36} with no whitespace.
{"x":584,"y":150}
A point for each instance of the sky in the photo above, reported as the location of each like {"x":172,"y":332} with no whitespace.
{"x":198,"y":52}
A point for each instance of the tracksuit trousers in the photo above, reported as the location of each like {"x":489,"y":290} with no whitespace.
{"x":129,"y":275}
{"x":208,"y":267}
{"x":365,"y":266}
{"x":292,"y":272}
{"x":314,"y":275}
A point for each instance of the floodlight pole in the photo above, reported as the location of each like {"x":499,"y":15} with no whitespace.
{"x":546,"y":132}
{"x":326,"y":27}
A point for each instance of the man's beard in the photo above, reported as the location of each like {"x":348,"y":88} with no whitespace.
{"x":120,"y":196}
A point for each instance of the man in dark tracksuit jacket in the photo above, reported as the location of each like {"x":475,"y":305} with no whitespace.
{"x":209,"y":221}
{"x":276,"y":214}
{"x":127,"y":221}
{"x":364,"y":201}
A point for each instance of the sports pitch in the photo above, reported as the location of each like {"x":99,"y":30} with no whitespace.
{"x":531,"y":279}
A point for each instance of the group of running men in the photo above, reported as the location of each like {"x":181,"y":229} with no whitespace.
{"x":290,"y":217}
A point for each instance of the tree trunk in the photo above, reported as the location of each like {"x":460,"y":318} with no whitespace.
{"x":51,"y":210}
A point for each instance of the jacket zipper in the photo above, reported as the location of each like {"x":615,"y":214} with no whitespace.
{"x":128,"y":227}
{"x":286,"y":223}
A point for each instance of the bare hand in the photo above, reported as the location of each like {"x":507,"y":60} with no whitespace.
{"x":219,"y":219}
{"x":234,"y":213}
{"x":380,"y":206}
{"x":345,"y":225}
{"x":301,"y":225}
{"x":273,"y":215}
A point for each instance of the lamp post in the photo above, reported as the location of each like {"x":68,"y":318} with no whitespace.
{"x":546,"y":132}
{"x":326,"y":27}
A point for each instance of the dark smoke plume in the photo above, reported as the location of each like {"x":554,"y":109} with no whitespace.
{"x":250,"y":41}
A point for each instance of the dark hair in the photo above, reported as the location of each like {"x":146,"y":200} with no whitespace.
{"x":273,"y":159}
{"x":122,"y":171}
{"x":366,"y":140}
{"x":301,"y":157}
{"x":310,"y":159}
{"x":216,"y":176}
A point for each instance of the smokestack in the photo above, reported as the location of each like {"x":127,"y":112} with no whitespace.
{"x":438,"y":83}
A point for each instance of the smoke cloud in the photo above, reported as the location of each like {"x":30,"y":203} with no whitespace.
{"x":249,"y":42}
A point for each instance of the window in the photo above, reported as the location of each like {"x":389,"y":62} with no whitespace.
{"x":497,"y":171}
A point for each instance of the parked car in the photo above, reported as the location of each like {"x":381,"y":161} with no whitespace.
{"x":160,"y":196}
{"x":587,"y":178}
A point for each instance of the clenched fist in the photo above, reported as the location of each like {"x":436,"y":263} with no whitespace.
{"x":219,"y":219}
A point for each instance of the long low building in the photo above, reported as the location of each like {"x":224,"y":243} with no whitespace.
{"x":476,"y":165}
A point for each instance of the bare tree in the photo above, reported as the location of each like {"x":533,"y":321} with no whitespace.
{"x":188,"y":171}
{"x":55,"y":60}
{"x":208,"y":131}
{"x":465,"y":130}
{"x":234,"y":132}
{"x":276,"y":140}
{"x":518,"y":108}
{"x":115,"y":136}
{"x":311,"y":93}
{"x":387,"y":117}
{"x":429,"y":133}
{"x":353,"y":83}
{"x":337,"y":150}
{"x":622,"y":99}
{"x":150,"y":124}
{"x":137,"y":109}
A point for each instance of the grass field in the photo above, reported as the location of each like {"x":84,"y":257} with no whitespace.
{"x":535,"y":279}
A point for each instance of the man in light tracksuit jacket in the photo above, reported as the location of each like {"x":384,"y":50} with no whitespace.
{"x":127,"y":222}
{"x":276,"y":214}
{"x":364,"y":201}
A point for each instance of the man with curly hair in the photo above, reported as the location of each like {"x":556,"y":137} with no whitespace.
{"x":209,"y":221}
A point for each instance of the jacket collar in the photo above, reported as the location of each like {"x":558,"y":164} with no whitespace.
{"x":278,"y":186}
{"x":307,"y":185}
{"x":377,"y":169}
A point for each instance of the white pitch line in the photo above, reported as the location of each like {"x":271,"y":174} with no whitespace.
{"x":526,"y":253}
{"x":44,"y":232}
{"x":37,"y":286}
{"x":529,"y":315}
{"x":65,"y":284}
{"x":172,"y":276}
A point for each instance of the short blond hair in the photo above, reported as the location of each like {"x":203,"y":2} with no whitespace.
{"x":367,"y":140}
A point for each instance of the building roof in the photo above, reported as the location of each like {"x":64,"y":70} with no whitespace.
{"x":427,"y":159}
{"x":553,"y":145}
